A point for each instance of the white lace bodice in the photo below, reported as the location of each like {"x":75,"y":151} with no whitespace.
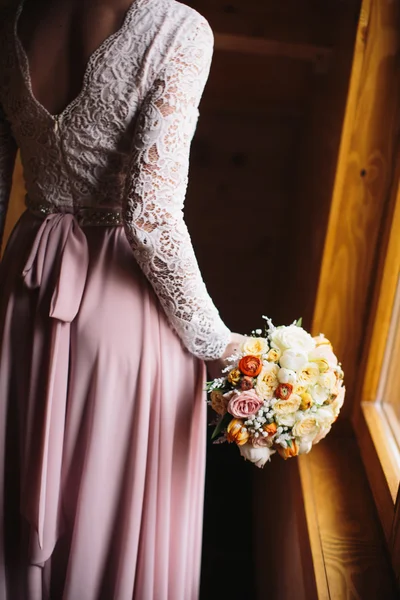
{"x":123,"y":143}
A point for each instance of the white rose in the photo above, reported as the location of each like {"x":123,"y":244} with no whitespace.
{"x":325,"y":416}
{"x":306,"y":426}
{"x":308,"y":375}
{"x":255,"y":346}
{"x":326,"y":353}
{"x":259,"y":456}
{"x":287,"y":376}
{"x":293,"y":338}
{"x":304,"y":446}
{"x":338,"y":402}
{"x":327,"y":380}
{"x":293,"y":360}
{"x":267,"y":381}
{"x":319,"y":394}
{"x":285,"y":407}
{"x":286,"y":420}
{"x":323,"y":432}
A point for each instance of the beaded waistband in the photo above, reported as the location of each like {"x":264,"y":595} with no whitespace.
{"x":85,"y":215}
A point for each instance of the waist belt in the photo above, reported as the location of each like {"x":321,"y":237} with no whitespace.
{"x":85,"y":215}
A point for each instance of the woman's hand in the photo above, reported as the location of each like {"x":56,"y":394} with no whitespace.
{"x":215,"y":367}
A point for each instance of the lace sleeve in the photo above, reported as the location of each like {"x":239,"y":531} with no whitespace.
{"x":156,"y":188}
{"x":8,"y":151}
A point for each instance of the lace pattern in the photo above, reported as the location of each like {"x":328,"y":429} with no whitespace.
{"x":124,"y":144}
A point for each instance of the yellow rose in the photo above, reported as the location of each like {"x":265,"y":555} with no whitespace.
{"x":299,"y":389}
{"x":322,"y":364}
{"x":255,"y":346}
{"x":306,"y":401}
{"x":328,"y":380}
{"x":285,"y":407}
{"x":219,"y":402}
{"x":267,"y":381}
{"x":274,"y":355}
{"x":305,"y":427}
{"x":308,"y":375}
{"x":234,"y":376}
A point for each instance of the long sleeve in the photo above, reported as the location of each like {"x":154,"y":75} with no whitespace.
{"x":155,"y":194}
{"x":8,"y":151}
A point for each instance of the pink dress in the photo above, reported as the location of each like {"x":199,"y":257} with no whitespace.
{"x":104,"y":322}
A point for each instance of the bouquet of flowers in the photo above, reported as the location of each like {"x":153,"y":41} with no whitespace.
{"x":281,"y":392}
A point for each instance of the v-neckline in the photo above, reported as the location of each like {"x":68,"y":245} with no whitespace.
{"x":25,"y":67}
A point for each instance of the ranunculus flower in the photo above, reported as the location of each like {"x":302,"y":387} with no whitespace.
{"x":287,"y":376}
{"x":308,"y":375}
{"x":244,"y":404}
{"x":305,"y":426}
{"x":246,"y":383}
{"x":267,"y":381}
{"x":219,"y":402}
{"x":255,"y":346}
{"x":290,"y":451}
{"x":293,"y":360}
{"x":237,"y":432}
{"x":234,"y":376}
{"x":250,"y":365}
{"x":293,"y":338}
{"x":283,"y":391}
{"x":258,"y":456}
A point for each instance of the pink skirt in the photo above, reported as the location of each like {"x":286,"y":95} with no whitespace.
{"x":102,"y":424}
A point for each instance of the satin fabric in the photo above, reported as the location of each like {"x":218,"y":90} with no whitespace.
{"x":102,"y":424}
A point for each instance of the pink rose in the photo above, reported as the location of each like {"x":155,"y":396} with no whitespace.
{"x":244,"y":404}
{"x":261,"y":441}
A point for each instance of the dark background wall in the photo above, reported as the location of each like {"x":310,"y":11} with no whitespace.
{"x":262,"y":171}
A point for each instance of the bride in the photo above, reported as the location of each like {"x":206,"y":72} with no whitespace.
{"x":104,"y":317}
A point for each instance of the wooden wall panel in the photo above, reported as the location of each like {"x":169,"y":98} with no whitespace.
{"x":362,"y":187}
{"x":302,"y":21}
{"x":314,"y":171}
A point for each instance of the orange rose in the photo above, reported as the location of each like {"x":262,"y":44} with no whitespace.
{"x":270,"y":428}
{"x":237,"y":432}
{"x":290,"y":451}
{"x":250,"y":365}
{"x":283,"y":391}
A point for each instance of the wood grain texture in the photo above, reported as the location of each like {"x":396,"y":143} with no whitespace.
{"x":268,"y":47}
{"x":355,"y":561}
{"x":362,"y":187}
{"x":294,"y":21}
